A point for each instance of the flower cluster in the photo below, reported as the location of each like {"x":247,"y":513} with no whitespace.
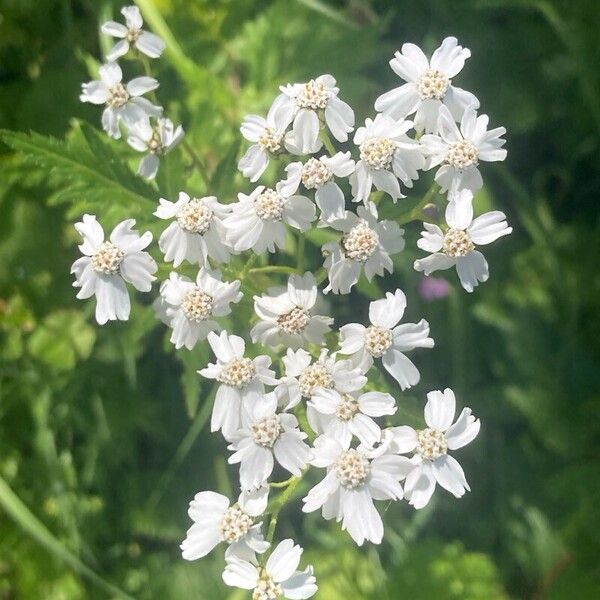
{"x":322,"y":410}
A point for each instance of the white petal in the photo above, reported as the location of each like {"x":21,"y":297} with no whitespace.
{"x":419,"y":486}
{"x":464,"y":431}
{"x":412,"y":335}
{"x":330,"y":200}
{"x":449,"y":474}
{"x":489,"y":227}
{"x":240,"y":573}
{"x":435,"y":262}
{"x":133,"y":17}
{"x":472,"y":269}
{"x":388,"y":311}
{"x":339,"y":118}
{"x":459,"y":211}
{"x":137,"y":268}
{"x":199,"y":541}
{"x":401,"y":368}
{"x":377,"y":404}
{"x":300,"y":585}
{"x":440,"y":409}
{"x":399,"y":102}
{"x":284,"y":560}
{"x":361,"y":519}
{"x":141,"y":85}
{"x":306,"y":131}
{"x":119,"y":49}
{"x":92,"y":233}
{"x":112,"y":299}
{"x":450,"y":58}
{"x":150,"y":45}
{"x":149,"y":166}
{"x":114,"y":29}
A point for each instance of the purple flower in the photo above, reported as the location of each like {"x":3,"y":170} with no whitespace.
{"x":433,"y":288}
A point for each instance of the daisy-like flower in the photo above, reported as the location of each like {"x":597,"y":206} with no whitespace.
{"x":267,"y":137}
{"x":267,"y":436}
{"x":456,"y":246}
{"x":459,"y":151}
{"x":431,"y":462}
{"x":196,"y":231}
{"x":279,"y":578}
{"x":429,"y":85}
{"x":305,"y":376}
{"x":286,"y":315}
{"x":124,"y":102}
{"x":216,"y":521}
{"x":386,"y":155}
{"x":342,"y":415}
{"x":156,"y":140}
{"x":192,"y":306}
{"x":108,"y":264}
{"x":366,"y":242}
{"x":132,"y":34}
{"x":352,"y":482}
{"x":304,"y":102}
{"x":318,"y":174}
{"x":387,"y":340}
{"x":258,"y":221}
{"x":242,"y":380}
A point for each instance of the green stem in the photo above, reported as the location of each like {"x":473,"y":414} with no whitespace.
{"x":282,"y":484}
{"x":281,"y":501}
{"x":197,"y":162}
{"x":272,"y":269}
{"x":415,"y":213}
{"x":327,"y":141}
{"x":300,"y":254}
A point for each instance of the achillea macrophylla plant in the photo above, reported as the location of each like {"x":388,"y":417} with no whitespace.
{"x":293,"y":394}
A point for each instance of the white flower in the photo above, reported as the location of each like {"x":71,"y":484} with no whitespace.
{"x":305,"y":376}
{"x":192,"y":306}
{"x":431,"y":462}
{"x":197,"y":230}
{"x":267,"y":135}
{"x":107,"y":265}
{"x":123,"y":102}
{"x":318,"y":174}
{"x":429,"y":85}
{"x":456,"y":246}
{"x":278,"y":578}
{"x":352,"y":482}
{"x":286,"y":315}
{"x":366,"y":243}
{"x":215,"y":521}
{"x":304,"y":102}
{"x":242,"y":380}
{"x":157,"y":141}
{"x":387,"y":340}
{"x":459,"y":151}
{"x":342,"y":415}
{"x":267,"y":436}
{"x":386,"y":155}
{"x":258,"y":221}
{"x":131,"y":33}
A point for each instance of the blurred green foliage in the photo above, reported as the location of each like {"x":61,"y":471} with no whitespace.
{"x":102,"y":436}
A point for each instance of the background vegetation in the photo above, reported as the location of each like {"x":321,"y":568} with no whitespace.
{"x":102,"y":430}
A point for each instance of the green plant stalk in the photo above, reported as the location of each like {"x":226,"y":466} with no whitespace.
{"x":300,"y":254}
{"x":327,"y":141}
{"x":272,"y":269}
{"x":281,"y":501}
{"x":415,"y":213}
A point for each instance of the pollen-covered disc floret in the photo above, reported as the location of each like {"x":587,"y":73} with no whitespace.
{"x":266,"y":431}
{"x":270,"y":141}
{"x":433,"y":84}
{"x":107,"y":258}
{"x":238,"y":372}
{"x":352,"y":468}
{"x":155,"y":145}
{"x":431,"y":444}
{"x":360,"y":242}
{"x":266,"y":588}
{"x":377,"y":340}
{"x":313,"y":377}
{"x":117,"y":96}
{"x":347,"y":407}
{"x":195,"y":217}
{"x":294,"y":321}
{"x":269,"y":205}
{"x":235,"y":524}
{"x":457,"y":242}
{"x":315,"y":174}
{"x":377,"y":153}
{"x":197,"y":305}
{"x":313,"y":95}
{"x":462,"y":154}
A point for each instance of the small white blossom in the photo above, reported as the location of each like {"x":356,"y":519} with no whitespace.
{"x":124,"y":102}
{"x":242,"y":380}
{"x":216,"y":521}
{"x":132,"y":34}
{"x":431,"y":462}
{"x":303,"y":103}
{"x":191,"y":307}
{"x":386,"y":155}
{"x":196,"y":232}
{"x":459,"y":151}
{"x":387,"y":340}
{"x":258,"y":221}
{"x":107,"y":265}
{"x":429,"y":85}
{"x":157,"y":140}
{"x":318,"y":174}
{"x":366,"y":242}
{"x":352,"y":482}
{"x":265,"y":437}
{"x":267,"y":137}
{"x":456,"y":247}
{"x":279,"y":578}
{"x":286,"y":315}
